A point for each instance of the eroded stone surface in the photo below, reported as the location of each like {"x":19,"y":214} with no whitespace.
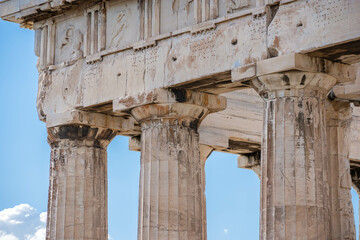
{"x":338,"y":132}
{"x":294,"y":184}
{"x":172,"y":194}
{"x":155,"y":67}
{"x":77,"y":205}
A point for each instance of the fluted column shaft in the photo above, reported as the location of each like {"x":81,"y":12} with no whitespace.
{"x":342,"y":213}
{"x":172,"y":198}
{"x":77,"y":204}
{"x":294,"y":184}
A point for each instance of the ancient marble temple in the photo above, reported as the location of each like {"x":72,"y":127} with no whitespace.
{"x":276,"y":82}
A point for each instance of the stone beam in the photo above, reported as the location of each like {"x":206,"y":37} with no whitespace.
{"x":237,"y":129}
{"x":250,"y":161}
{"x":135,"y":144}
{"x":348,"y":92}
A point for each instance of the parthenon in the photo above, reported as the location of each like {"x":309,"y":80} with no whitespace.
{"x":276,"y":82}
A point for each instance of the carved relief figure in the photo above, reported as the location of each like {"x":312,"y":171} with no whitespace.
{"x":72,"y":43}
{"x":233,"y":5}
{"x":176,"y":4}
{"x":187,"y":6}
{"x":118,"y":27}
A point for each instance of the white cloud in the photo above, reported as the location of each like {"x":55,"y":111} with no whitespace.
{"x":39,"y":235}
{"x":5,"y":236}
{"x":12,"y":215}
{"x":43,"y":217}
{"x":226,"y":231}
{"x":22,"y":222}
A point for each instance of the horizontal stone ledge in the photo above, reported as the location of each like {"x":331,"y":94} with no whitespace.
{"x":212,"y":102}
{"x":348,"y":92}
{"x":23,"y":9}
{"x":79,"y":117}
{"x":295,"y":62}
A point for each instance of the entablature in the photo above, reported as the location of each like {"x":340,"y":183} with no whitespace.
{"x":94,"y":52}
{"x":26,"y":12}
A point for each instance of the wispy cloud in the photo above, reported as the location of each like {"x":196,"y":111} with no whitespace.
{"x":226,"y":231}
{"x":22,"y":222}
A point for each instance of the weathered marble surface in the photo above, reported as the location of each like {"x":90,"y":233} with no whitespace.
{"x":338,"y":133}
{"x":127,"y":47}
{"x":149,"y":68}
{"x":172,"y":201}
{"x":294,"y":185}
{"x":172,"y":197}
{"x":77,"y":204}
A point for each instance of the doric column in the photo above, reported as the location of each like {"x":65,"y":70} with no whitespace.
{"x":205,"y":151}
{"x":172,"y":196}
{"x":77,"y":205}
{"x":294,"y":185}
{"x":342,"y":213}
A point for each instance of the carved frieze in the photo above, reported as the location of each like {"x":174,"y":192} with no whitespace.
{"x":234,"y":5}
{"x":69,"y":45}
{"x":122,"y":25}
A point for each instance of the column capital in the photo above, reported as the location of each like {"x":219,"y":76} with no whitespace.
{"x":78,"y":182}
{"x":291,"y":74}
{"x":72,"y":135}
{"x":293,"y":84}
{"x":183,"y":114}
{"x":180,"y":106}
{"x":343,"y":73}
{"x":91,"y":119}
{"x":87,"y":128}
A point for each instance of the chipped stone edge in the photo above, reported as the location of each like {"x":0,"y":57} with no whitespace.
{"x":295,"y":61}
{"x":79,"y":117}
{"x":212,"y":102}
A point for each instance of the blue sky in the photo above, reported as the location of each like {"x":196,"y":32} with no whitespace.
{"x":232,"y":194}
